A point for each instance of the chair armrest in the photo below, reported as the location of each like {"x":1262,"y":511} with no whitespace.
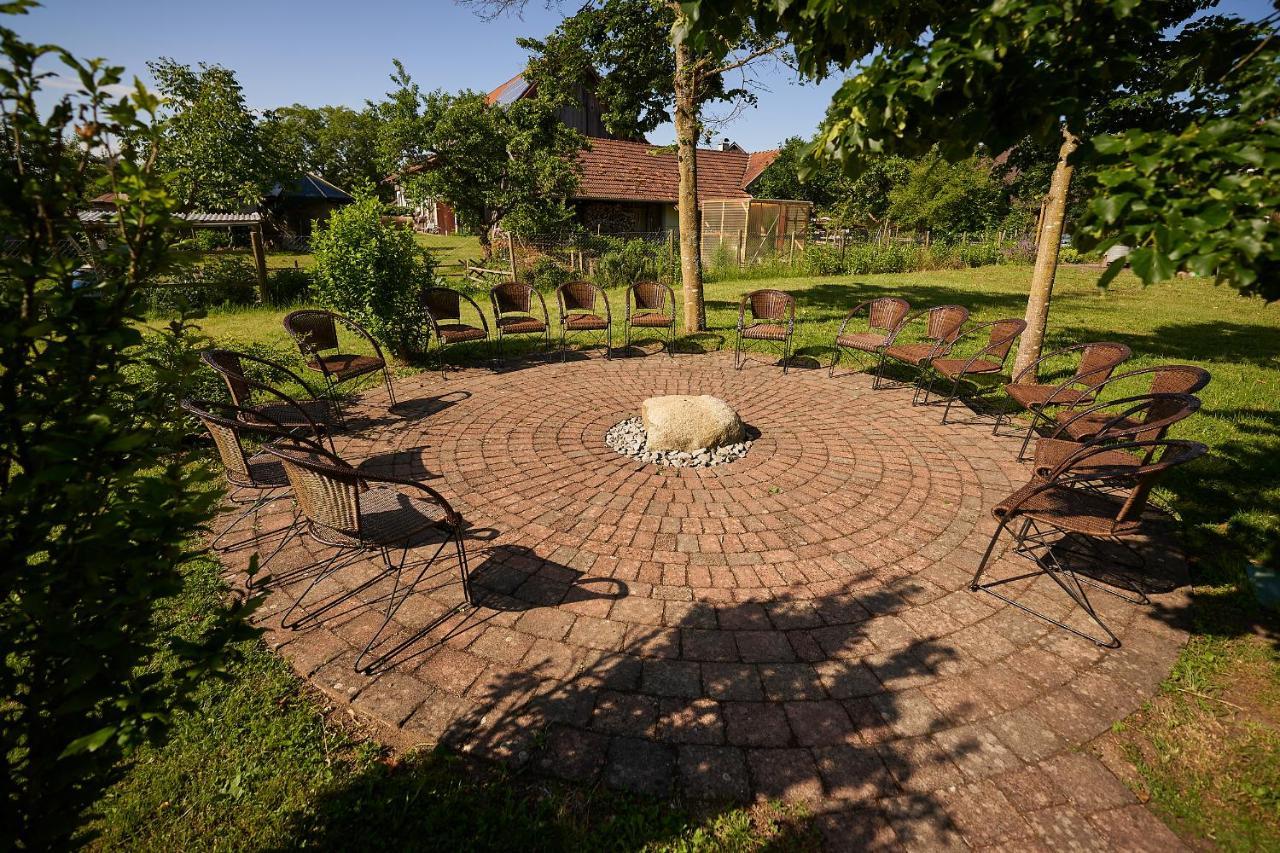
{"x":850,"y":316}
{"x":906,"y":321}
{"x":484,"y":324}
{"x":1030,"y":368}
{"x":360,"y":330}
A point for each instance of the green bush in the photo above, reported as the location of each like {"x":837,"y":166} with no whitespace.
{"x":634,"y":260}
{"x":289,"y":286}
{"x":100,"y":499}
{"x":547,"y":274}
{"x":372,"y":272}
{"x":220,"y":281}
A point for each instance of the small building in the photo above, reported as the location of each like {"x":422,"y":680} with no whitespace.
{"x":310,"y":199}
{"x":750,"y":229}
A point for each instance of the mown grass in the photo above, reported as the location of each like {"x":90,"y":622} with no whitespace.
{"x":256,"y":765}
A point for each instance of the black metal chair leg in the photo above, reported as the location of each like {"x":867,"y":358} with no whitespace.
{"x":955,"y":390}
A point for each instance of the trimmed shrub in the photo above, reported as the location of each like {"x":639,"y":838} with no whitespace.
{"x":546,"y":274}
{"x":372,"y":271}
{"x":289,"y":286}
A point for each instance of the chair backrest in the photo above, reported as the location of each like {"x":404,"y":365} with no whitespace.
{"x":1098,"y":361}
{"x":578,"y":296}
{"x":312,"y":330}
{"x":1179,"y":379}
{"x":226,"y":425}
{"x":887,"y":312}
{"x":326,"y":488}
{"x":512,"y":297}
{"x":227,"y":364}
{"x":1142,"y":417}
{"x":1158,"y":456}
{"x":1003,"y":334}
{"x":649,"y":296}
{"x":443,"y":303}
{"x":945,"y":322}
{"x":771,"y":305}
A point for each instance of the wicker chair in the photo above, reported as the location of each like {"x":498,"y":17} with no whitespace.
{"x":1145,"y":417}
{"x":942,"y":326}
{"x":277,"y":407}
{"x":1081,"y":422}
{"x":316,"y":332}
{"x":655,"y":308}
{"x":258,"y":474}
{"x":354,"y":511}
{"x":579,"y":303}
{"x":987,"y":362}
{"x":883,"y":317}
{"x":1052,"y":508}
{"x":443,"y":306}
{"x":773,"y":318}
{"x":1096,"y":364}
{"x":513,"y":312}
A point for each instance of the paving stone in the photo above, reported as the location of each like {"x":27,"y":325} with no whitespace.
{"x":854,"y":773}
{"x":690,"y":721}
{"x":984,"y":815}
{"x":625,"y":714}
{"x":789,"y":775}
{"x":855,"y":831}
{"x":640,"y":765}
{"x":1087,"y":783}
{"x":785,"y":682}
{"x":731,"y":681}
{"x":573,"y":754}
{"x":671,"y":678}
{"x":755,"y":724}
{"x":821,"y":723}
{"x":1064,"y":828}
{"x":714,"y":773}
{"x":1137,"y":829}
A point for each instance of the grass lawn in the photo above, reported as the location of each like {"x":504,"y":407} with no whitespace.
{"x":257,"y":764}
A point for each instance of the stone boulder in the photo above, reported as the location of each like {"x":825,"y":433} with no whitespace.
{"x":684,"y":423}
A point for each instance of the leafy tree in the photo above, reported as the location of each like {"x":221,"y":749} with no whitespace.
{"x":823,"y":186}
{"x":625,"y":49}
{"x":214,"y":147}
{"x":959,"y":76}
{"x":405,"y":118}
{"x":372,"y":271}
{"x":512,"y":165}
{"x":98,"y":499}
{"x":338,"y":143}
{"x":947,"y":197}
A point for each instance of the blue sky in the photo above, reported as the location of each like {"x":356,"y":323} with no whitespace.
{"x":326,"y":52}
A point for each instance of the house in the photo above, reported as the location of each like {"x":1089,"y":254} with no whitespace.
{"x":294,"y":208}
{"x":628,"y":185}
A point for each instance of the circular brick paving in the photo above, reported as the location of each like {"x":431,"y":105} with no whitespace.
{"x":794,"y":625}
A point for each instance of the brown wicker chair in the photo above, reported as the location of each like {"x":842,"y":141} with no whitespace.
{"x":443,"y":306}
{"x":773,"y":318}
{"x":579,"y":303}
{"x":316,"y":332}
{"x":986,"y":362}
{"x":1080,"y":422}
{"x":354,"y":511}
{"x":1052,"y":509}
{"x":264,"y":403}
{"x":259,"y":474}
{"x":883,"y":318}
{"x":513,"y":313}
{"x":1145,"y":417}
{"x":1097,"y":362}
{"x":943,"y":324}
{"x":655,"y":308}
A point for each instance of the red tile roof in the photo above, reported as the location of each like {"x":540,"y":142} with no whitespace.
{"x":617,"y":170}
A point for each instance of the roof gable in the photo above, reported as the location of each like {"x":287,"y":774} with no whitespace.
{"x":618,"y":170}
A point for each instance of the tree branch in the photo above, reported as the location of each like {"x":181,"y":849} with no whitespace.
{"x":771,"y":47}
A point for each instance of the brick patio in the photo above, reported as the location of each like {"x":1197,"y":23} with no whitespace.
{"x":796,"y":624}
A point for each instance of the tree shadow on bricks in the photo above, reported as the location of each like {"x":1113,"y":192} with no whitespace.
{"x":809,"y":701}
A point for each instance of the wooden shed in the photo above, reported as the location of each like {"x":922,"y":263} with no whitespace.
{"x":746,"y":230}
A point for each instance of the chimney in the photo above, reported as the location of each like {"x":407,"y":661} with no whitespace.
{"x":726,"y":145}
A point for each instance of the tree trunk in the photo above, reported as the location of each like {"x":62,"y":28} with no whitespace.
{"x":686,"y":121}
{"x":1050,"y":239}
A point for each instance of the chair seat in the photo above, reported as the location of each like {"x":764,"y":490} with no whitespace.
{"x":865,"y":341}
{"x":1029,"y":396}
{"x":346,"y":365}
{"x":1087,"y":426}
{"x":585,"y":322}
{"x":953,"y":367}
{"x":287,"y":414}
{"x":387,"y":517}
{"x":1052,"y":452}
{"x":765,"y":332}
{"x":652,"y":321}
{"x":1073,"y":510}
{"x":910,"y":353}
{"x":520,"y":325}
{"x":458,"y":332}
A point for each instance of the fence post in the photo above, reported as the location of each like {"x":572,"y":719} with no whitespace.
{"x":511,"y":249}
{"x":742,"y":246}
{"x":260,"y":261}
